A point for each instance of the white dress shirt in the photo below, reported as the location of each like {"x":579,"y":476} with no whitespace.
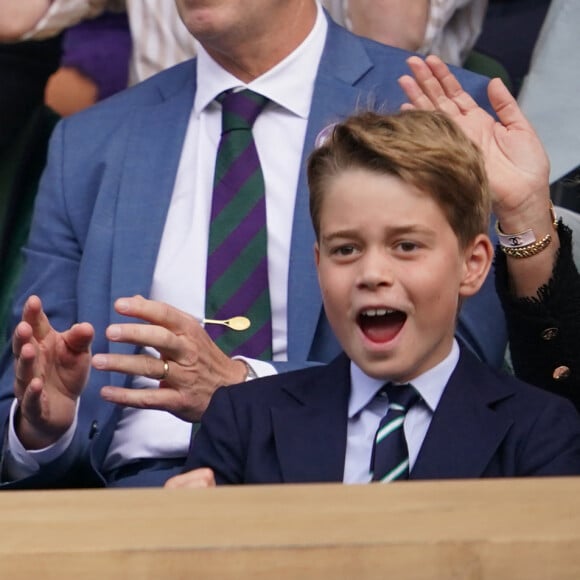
{"x":365,"y":411}
{"x":179,"y":277}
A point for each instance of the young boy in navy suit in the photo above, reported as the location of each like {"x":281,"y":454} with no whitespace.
{"x":400,"y":205}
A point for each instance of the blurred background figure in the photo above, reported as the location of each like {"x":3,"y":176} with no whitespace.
{"x":94,"y":63}
{"x":447,"y":28}
{"x":159,"y":38}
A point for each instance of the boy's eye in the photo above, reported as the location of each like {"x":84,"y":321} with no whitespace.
{"x":345,"y":250}
{"x":407,"y":246}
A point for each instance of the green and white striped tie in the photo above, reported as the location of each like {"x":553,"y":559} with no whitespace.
{"x":390,"y":457}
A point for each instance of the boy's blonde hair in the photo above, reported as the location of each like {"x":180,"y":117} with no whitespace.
{"x":422,"y":148}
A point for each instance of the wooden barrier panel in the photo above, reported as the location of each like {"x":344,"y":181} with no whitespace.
{"x":469,"y":530}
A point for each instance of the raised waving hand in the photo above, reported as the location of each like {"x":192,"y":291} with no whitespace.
{"x":517,"y":164}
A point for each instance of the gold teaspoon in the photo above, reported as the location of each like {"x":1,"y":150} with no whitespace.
{"x":235,"y":323}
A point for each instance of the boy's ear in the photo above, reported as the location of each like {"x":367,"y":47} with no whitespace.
{"x":478,"y":257}
{"x":316,"y":253}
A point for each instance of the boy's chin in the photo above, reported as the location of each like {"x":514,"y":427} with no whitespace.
{"x":387,"y":368}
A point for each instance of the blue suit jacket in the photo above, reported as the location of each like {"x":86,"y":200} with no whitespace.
{"x":291,"y":428}
{"x":104,"y":198}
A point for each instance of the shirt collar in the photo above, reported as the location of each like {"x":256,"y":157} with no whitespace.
{"x":429,"y":385}
{"x":290,"y":83}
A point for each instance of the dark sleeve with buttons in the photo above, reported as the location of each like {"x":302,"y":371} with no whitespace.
{"x":544,"y":331}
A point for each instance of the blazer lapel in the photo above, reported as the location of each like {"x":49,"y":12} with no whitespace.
{"x":335,"y":97}
{"x":154,"y":143}
{"x":465,"y":432}
{"x":310,"y":437}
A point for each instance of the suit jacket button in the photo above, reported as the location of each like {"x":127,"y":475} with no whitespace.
{"x":561,"y":373}
{"x":550,"y":333}
{"x":94,"y":429}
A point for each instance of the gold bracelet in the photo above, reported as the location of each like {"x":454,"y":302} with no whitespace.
{"x":529,"y":250}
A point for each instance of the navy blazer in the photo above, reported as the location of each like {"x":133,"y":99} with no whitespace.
{"x":291,"y":428}
{"x":103,"y":202}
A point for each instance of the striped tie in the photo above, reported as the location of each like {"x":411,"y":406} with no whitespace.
{"x":390,"y":458}
{"x":237,"y":266}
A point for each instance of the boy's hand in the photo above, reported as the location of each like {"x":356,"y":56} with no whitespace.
{"x":202,"y":477}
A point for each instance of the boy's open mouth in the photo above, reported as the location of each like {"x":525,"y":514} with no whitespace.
{"x":381,"y":324}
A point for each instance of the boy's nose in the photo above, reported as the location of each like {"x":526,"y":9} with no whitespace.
{"x":375,"y":271}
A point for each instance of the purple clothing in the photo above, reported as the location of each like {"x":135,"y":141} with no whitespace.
{"x":100,"y":49}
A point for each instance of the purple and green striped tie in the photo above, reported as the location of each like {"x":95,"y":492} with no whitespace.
{"x":237,"y":266}
{"x":390,"y":457}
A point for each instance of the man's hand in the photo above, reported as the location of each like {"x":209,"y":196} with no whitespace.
{"x":191,"y":367}
{"x":202,"y":477}
{"x":51,"y":369}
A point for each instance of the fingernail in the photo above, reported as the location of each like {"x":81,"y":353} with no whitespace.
{"x":114,"y":332}
{"x":122,"y":305}
{"x":99,"y":361}
{"x":106,"y":392}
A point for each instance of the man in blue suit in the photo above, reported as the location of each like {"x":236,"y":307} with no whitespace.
{"x":122,"y":213}
{"x":400,"y":206}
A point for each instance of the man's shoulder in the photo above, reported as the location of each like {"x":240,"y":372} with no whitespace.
{"x":348,"y":48}
{"x":381,"y":65}
{"x":342,"y":40}
{"x":108,"y":122}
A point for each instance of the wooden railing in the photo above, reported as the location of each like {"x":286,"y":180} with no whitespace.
{"x":468,"y":530}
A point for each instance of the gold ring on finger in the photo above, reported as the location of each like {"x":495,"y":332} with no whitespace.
{"x":165,"y":373}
